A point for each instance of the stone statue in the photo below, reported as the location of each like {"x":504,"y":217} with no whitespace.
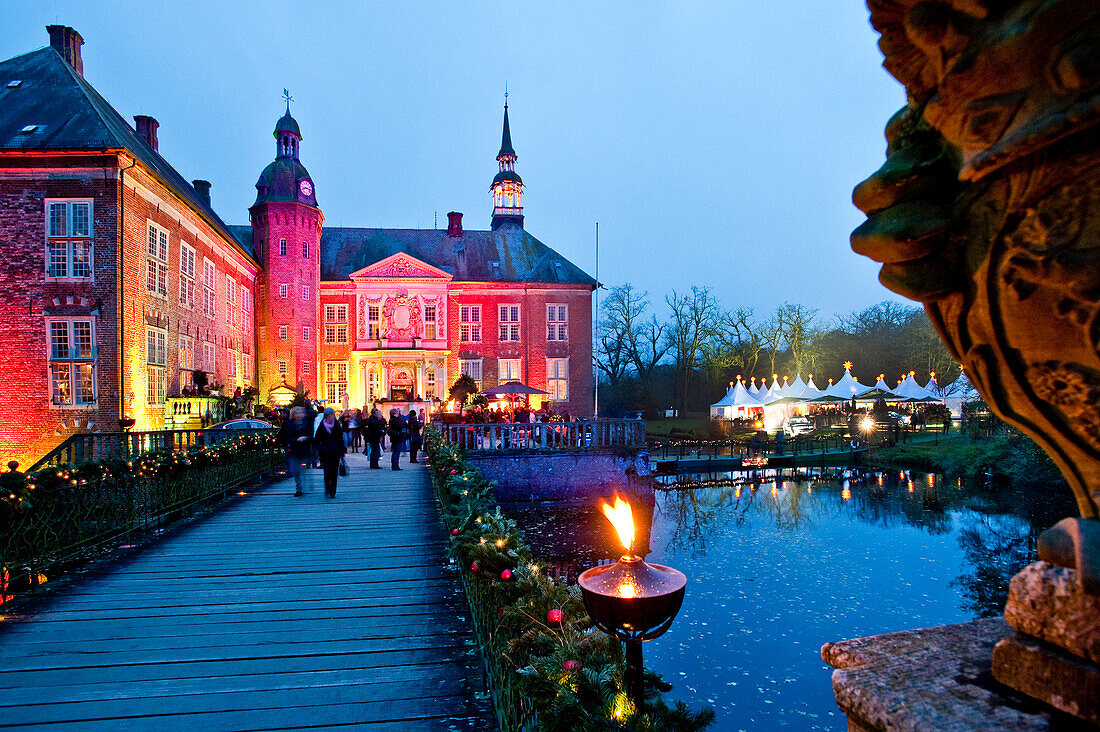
{"x":987,"y":211}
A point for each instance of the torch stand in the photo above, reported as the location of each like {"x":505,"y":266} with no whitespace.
{"x":635,"y":679}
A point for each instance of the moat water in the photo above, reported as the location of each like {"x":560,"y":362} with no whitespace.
{"x":779,"y":564}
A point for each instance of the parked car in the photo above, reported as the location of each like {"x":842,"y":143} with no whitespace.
{"x":799,"y":426}
{"x":233,"y":427}
{"x":902,"y":419}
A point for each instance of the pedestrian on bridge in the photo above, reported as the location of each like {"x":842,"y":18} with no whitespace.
{"x":329,"y":439}
{"x":376,"y":429}
{"x":297,"y":437}
{"x":398,"y":432}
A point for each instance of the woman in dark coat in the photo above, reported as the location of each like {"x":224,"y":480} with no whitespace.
{"x":398,"y":432}
{"x":414,"y":434}
{"x":376,"y":429}
{"x":329,"y":440}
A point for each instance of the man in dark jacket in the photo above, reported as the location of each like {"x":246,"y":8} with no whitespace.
{"x":329,"y":439}
{"x":415,"y":440}
{"x":398,"y":432}
{"x":296,"y":436}
{"x":376,"y":428}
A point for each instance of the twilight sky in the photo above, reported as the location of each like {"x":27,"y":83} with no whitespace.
{"x":715,"y":143}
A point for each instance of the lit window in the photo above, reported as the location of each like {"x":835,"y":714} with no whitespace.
{"x":72,"y":361}
{"x":231,"y":363}
{"x":156,"y":262}
{"x":429,"y":384}
{"x":185,"y":350}
{"x":469,"y":324}
{"x":156,"y":362}
{"x":69,"y":239}
{"x":509,"y":322}
{"x":374,"y":322}
{"x":508,"y":369}
{"x":209,"y":359}
{"x":187,"y":276}
{"x":336,"y":318}
{"x":557,"y":379}
{"x":430,"y":325}
{"x":471,"y":368}
{"x":246,"y":366}
{"x":209,"y":275}
{"x":373,"y":387}
{"x":557,"y":323}
{"x":336,"y":380}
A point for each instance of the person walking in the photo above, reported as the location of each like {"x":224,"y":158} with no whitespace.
{"x":329,"y":439}
{"x":296,"y":436}
{"x":398,"y":432}
{"x":415,"y":425}
{"x":376,"y":428}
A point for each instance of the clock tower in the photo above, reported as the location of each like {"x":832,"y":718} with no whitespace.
{"x":286,"y":238}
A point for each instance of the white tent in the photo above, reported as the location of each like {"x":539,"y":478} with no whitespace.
{"x":811,"y":391}
{"x":753,"y":388}
{"x":880,"y":384}
{"x":737,"y":402}
{"x":774,"y":391}
{"x":910,"y":388}
{"x":848,"y":386}
{"x":957,"y":393}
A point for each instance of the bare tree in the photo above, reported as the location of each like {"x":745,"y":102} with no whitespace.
{"x":614,"y":358}
{"x":797,"y":325}
{"x":736,"y":346}
{"x":695,"y":320}
{"x":643,"y":339}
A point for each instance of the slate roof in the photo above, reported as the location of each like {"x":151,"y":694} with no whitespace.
{"x":71,"y":115}
{"x":506,"y":138}
{"x":520,"y":257}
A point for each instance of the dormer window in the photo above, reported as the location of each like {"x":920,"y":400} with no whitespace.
{"x":30,"y":129}
{"x":14,"y":83}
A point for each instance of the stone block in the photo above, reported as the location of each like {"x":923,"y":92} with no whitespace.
{"x":1045,"y":672}
{"x":1048,"y":603}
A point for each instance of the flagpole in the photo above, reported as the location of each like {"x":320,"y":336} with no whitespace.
{"x":595,"y":332}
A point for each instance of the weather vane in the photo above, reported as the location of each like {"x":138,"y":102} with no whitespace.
{"x":506,"y":95}
{"x":289,"y":99}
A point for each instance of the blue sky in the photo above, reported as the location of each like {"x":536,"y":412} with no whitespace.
{"x":715,"y":144}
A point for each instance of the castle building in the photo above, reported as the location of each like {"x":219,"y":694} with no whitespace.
{"x":121,"y":281}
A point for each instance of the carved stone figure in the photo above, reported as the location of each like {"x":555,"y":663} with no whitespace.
{"x":988,"y":212}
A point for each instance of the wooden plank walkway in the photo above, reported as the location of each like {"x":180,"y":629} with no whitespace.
{"x":272,"y":613}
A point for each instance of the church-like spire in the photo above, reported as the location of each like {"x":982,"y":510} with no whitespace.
{"x":507,"y":187}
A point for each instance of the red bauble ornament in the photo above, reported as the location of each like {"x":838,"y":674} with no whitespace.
{"x":555,"y":616}
{"x":571,"y":665}
{"x":454,"y":472}
{"x":473,"y":567}
{"x":506,"y":574}
{"x":454,"y":532}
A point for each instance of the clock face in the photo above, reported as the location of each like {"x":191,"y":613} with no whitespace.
{"x":306,"y":188}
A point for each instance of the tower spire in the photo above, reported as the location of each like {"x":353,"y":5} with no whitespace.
{"x":507,"y":187}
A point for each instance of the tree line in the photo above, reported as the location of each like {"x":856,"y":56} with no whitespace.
{"x":683,"y":353}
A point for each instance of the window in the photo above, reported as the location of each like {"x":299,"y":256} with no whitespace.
{"x":305,"y":250}
{"x":282,"y":367}
{"x":156,"y":263}
{"x":263,"y":367}
{"x":187,"y":276}
{"x":471,"y":368}
{"x":209,"y":274}
{"x":336,"y":318}
{"x":336,"y":380}
{"x":374,"y":390}
{"x":263,"y":333}
{"x":69,"y":239}
{"x":557,"y":379}
{"x":305,"y":332}
{"x":246,"y":366}
{"x":305,"y":368}
{"x":231,"y":363}
{"x":305,"y":292}
{"x":557,"y":323}
{"x":430,"y":331}
{"x":72,"y":361}
{"x":374,"y":322}
{"x":156,"y":362}
{"x":209,"y":360}
{"x":508,"y":370}
{"x":246,"y":299}
{"x":230,"y":300}
{"x":469,"y":324}
{"x":509,"y":322}
{"x":282,"y":290}
{"x":260,"y":249}
{"x":282,"y":332}
{"x":185,"y":349}
{"x":429,"y":384}
{"x":282,"y":250}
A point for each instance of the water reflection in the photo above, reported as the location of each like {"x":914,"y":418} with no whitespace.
{"x":779,"y":563}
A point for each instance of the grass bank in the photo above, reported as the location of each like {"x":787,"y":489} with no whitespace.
{"x":1010,"y":456}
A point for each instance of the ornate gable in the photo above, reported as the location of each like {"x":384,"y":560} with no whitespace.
{"x":400,"y":266}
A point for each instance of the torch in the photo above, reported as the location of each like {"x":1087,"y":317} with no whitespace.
{"x":631,"y":600}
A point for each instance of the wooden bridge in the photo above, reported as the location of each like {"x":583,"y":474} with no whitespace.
{"x":275,"y":612}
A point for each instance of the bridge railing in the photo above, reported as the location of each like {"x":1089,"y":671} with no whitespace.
{"x":577,"y":435}
{"x":64,"y":513}
{"x":95,"y":446}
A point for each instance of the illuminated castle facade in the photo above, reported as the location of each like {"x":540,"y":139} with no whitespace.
{"x":120,"y":280}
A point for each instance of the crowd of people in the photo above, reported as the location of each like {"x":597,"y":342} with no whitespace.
{"x":314,"y":438}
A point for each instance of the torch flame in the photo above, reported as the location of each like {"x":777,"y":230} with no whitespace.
{"x":621,"y":518}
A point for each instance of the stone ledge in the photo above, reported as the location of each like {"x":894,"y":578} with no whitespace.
{"x":930,"y":679}
{"x":1048,"y":673}
{"x":1048,"y":602}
